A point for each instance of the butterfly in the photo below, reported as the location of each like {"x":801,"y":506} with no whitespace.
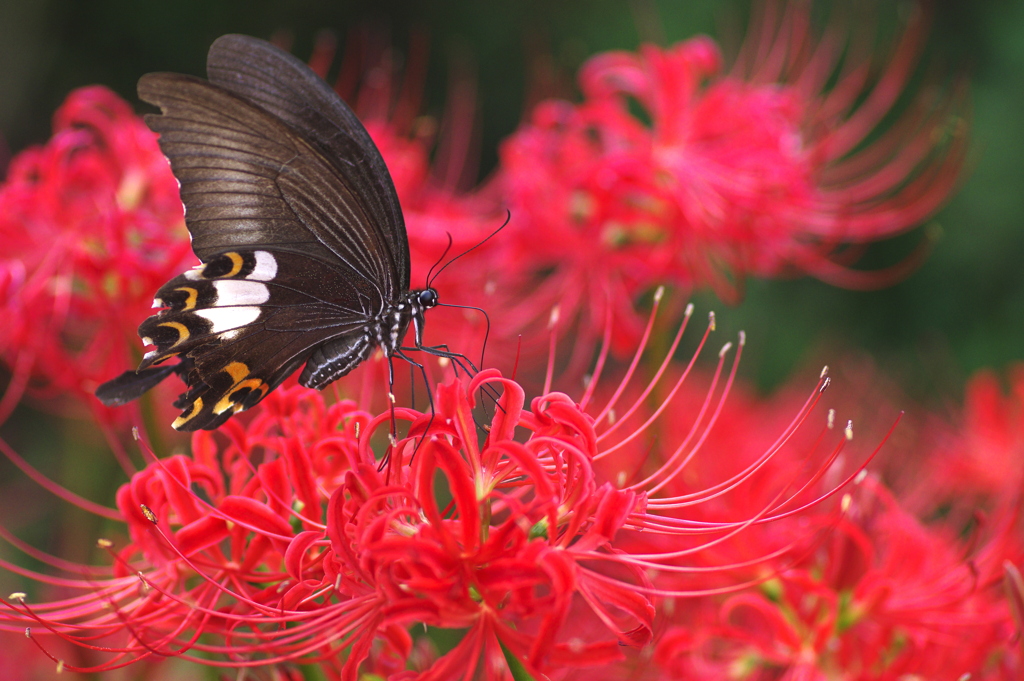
{"x":295,"y":219}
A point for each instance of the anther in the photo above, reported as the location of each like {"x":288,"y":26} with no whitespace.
{"x":556,"y":313}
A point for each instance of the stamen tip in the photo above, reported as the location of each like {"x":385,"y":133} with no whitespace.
{"x":824,"y":372}
{"x":150,"y":516}
{"x":556,"y":313}
{"x":620,"y":479}
{"x":135,"y":433}
{"x":849,"y":430}
{"x":725,"y":348}
{"x":824,"y":385}
{"x":104,"y":543}
{"x":689,"y":310}
{"x":28,"y":632}
{"x":17,"y":596}
{"x":659,"y":293}
{"x":831,"y":418}
{"x":743,"y":338}
{"x":711,"y":320}
{"x":861,"y":476}
{"x":391,"y":397}
{"x":60,"y":666}
{"x":845,"y":503}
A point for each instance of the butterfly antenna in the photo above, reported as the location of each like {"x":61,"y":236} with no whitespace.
{"x":446,"y":249}
{"x":508,"y":218}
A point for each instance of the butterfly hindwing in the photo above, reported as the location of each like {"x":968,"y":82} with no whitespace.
{"x":246,"y":320}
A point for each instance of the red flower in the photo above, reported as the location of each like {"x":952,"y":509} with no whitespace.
{"x":886,"y":598}
{"x":292,"y":542}
{"x":91,"y":225}
{"x":763,"y":170}
{"x":221,"y":544}
{"x":980,"y":458}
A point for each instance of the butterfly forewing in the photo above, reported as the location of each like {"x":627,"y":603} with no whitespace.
{"x":282,"y":85}
{"x":249,"y":180}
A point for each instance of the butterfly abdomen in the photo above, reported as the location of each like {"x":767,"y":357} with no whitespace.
{"x":387,"y":330}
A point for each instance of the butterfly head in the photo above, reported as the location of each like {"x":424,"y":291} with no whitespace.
{"x":427,"y":298}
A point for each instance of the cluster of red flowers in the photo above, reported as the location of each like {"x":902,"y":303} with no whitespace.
{"x":92,"y":225}
{"x":644,"y":527}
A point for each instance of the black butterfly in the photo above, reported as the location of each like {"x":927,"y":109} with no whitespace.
{"x":296,"y":221}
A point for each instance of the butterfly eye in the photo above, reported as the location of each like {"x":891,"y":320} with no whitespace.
{"x":428,"y":298}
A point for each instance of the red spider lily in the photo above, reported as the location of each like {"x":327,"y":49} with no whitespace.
{"x":291,"y":542}
{"x":886,"y":598}
{"x":980,"y":458}
{"x":91,"y":225}
{"x":886,"y":595}
{"x":786,"y":164}
{"x":219,"y":542}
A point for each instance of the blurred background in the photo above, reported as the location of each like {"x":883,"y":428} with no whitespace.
{"x":962,"y":310}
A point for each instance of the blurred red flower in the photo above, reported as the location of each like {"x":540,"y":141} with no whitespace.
{"x":886,"y":597}
{"x":92,"y":225}
{"x":673,"y":170}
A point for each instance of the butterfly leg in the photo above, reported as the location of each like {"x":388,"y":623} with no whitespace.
{"x":457,"y":359}
{"x":430,"y":397}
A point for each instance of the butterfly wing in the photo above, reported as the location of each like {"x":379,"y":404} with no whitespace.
{"x":284,"y":86}
{"x":293,"y":255}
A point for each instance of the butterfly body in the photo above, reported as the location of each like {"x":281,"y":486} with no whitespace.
{"x":294,"y":216}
